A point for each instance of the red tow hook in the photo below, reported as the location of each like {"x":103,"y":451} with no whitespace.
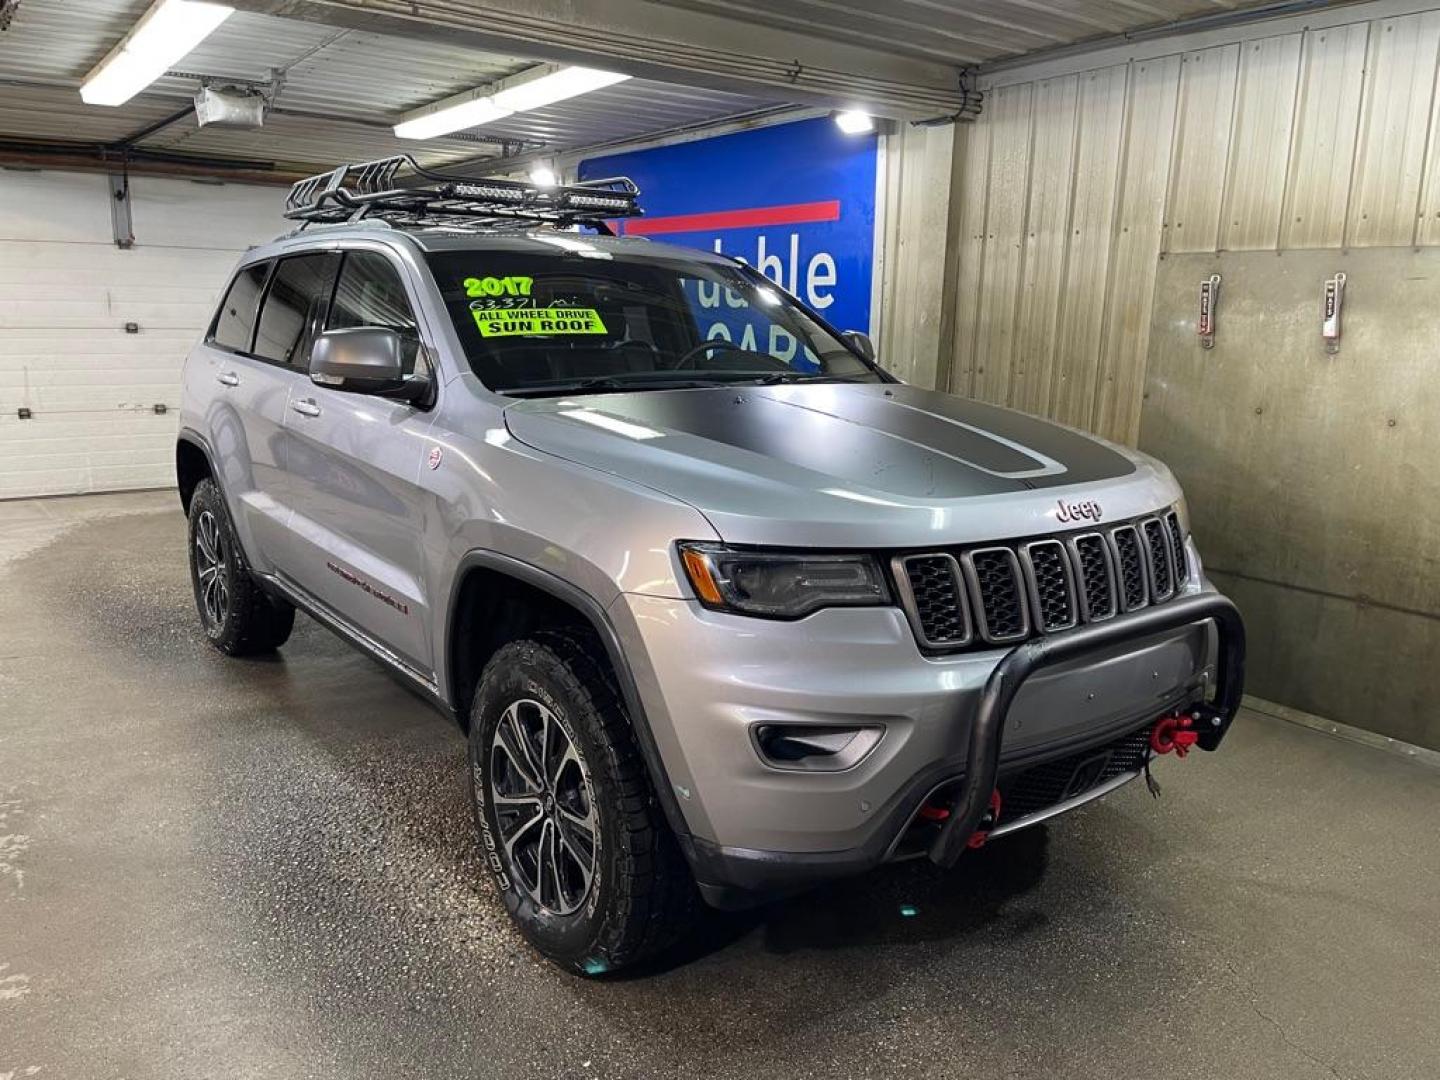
{"x":988,"y":822}
{"x":1173,"y":733}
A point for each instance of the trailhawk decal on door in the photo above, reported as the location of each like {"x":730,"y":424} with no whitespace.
{"x":361,"y":583}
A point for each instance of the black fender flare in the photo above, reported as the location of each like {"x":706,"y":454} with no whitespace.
{"x":194,"y":438}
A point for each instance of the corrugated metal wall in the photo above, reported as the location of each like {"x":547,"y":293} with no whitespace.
{"x":912,"y":256}
{"x":1072,"y":186}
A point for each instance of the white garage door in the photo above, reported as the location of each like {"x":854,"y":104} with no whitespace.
{"x":101,"y":400}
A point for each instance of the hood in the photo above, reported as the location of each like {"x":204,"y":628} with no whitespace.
{"x":847,"y":465}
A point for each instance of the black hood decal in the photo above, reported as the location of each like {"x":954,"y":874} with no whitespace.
{"x":899,"y":439}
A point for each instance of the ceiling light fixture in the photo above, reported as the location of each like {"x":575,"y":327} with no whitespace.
{"x":162,"y":37}
{"x":543,"y":176}
{"x":480,"y":109}
{"x":533,"y":89}
{"x":556,"y":85}
{"x":854,"y":122}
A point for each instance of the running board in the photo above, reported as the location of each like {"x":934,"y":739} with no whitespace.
{"x":347,"y":631}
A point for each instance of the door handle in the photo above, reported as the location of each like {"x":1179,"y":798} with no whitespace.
{"x":305,"y":407}
{"x":228,"y":378}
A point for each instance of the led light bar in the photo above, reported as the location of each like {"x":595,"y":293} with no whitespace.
{"x":533,"y":89}
{"x":163,"y":36}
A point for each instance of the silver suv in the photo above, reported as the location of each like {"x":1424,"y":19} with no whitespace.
{"x":724,"y":608}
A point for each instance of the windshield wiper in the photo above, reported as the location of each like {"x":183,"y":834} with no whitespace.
{"x":606,"y":384}
{"x":771,"y":378}
{"x":602,"y":384}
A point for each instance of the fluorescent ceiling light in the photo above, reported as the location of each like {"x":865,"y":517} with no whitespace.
{"x":534,"y":89}
{"x":565,"y":83}
{"x":164,"y":34}
{"x":854,"y":122}
{"x":465,"y":114}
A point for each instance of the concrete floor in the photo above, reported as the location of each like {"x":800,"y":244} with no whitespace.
{"x":212,"y":867}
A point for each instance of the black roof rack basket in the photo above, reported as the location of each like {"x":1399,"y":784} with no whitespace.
{"x":401,"y":192}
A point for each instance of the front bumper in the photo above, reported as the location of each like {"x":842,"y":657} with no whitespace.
{"x":707,"y":680}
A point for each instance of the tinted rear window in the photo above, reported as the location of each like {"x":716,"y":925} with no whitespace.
{"x":235,"y":321}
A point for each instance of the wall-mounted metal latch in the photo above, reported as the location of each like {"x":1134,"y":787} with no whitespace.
{"x":1209,"y":298}
{"x":132,"y":327}
{"x":23,"y":413}
{"x":121,"y":223}
{"x":1330,"y":312}
{"x":160,"y":408}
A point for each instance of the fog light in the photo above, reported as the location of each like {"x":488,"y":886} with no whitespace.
{"x":812,"y":747}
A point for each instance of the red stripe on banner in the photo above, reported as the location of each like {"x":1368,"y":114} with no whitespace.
{"x":791,"y":214}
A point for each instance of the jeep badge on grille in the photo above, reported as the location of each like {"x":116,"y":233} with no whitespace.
{"x":1081,"y":511}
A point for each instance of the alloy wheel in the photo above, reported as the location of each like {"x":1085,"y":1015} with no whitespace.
{"x":540,"y":791}
{"x":210,"y":570}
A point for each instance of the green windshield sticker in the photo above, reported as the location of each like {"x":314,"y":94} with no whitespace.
{"x":514,"y":285}
{"x":538,"y":322}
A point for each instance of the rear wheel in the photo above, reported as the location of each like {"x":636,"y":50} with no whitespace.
{"x":238,"y":617}
{"x":571,"y":830}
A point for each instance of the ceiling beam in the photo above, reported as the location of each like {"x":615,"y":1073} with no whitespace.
{"x":656,"y":41}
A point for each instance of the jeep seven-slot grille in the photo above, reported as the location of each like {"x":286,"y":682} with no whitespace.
{"x":1131,"y":566}
{"x":1004,"y":594}
{"x":1157,"y":547}
{"x":1051,"y":585}
{"x":1097,"y":576}
{"x":1177,"y":545}
{"x":995,"y":576}
{"x":935,"y":596}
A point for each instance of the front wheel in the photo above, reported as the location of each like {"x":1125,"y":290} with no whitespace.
{"x":570,"y":827}
{"x":238,"y":617}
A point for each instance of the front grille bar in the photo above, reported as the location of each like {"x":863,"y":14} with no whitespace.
{"x":1158,"y":556}
{"x":1099,"y":589}
{"x":1051,"y":583}
{"x":932,"y":593}
{"x":996,"y":583}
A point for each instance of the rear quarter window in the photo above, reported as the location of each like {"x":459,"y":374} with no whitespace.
{"x":234,"y":325}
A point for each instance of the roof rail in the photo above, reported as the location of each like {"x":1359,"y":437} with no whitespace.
{"x":399,"y":191}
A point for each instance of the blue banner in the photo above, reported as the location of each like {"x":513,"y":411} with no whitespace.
{"x":796,"y":201}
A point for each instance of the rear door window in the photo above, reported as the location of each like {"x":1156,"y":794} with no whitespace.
{"x":295,"y":307}
{"x":370,"y":293}
{"x":234,"y":323}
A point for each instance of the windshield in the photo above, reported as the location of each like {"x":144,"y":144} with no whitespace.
{"x":585,"y":319}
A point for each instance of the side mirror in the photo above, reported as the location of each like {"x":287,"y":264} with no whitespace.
{"x":362,"y":360}
{"x":861,"y":343}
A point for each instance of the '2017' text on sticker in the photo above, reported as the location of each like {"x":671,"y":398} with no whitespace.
{"x":514,"y":285}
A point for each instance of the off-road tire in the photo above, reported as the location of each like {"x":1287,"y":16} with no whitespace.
{"x":238,"y":617}
{"x":641,"y":897}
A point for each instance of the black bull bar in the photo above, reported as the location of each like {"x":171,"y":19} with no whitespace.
{"x":988,"y":730}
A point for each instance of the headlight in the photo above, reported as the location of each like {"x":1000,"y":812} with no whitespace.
{"x":778,"y":584}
